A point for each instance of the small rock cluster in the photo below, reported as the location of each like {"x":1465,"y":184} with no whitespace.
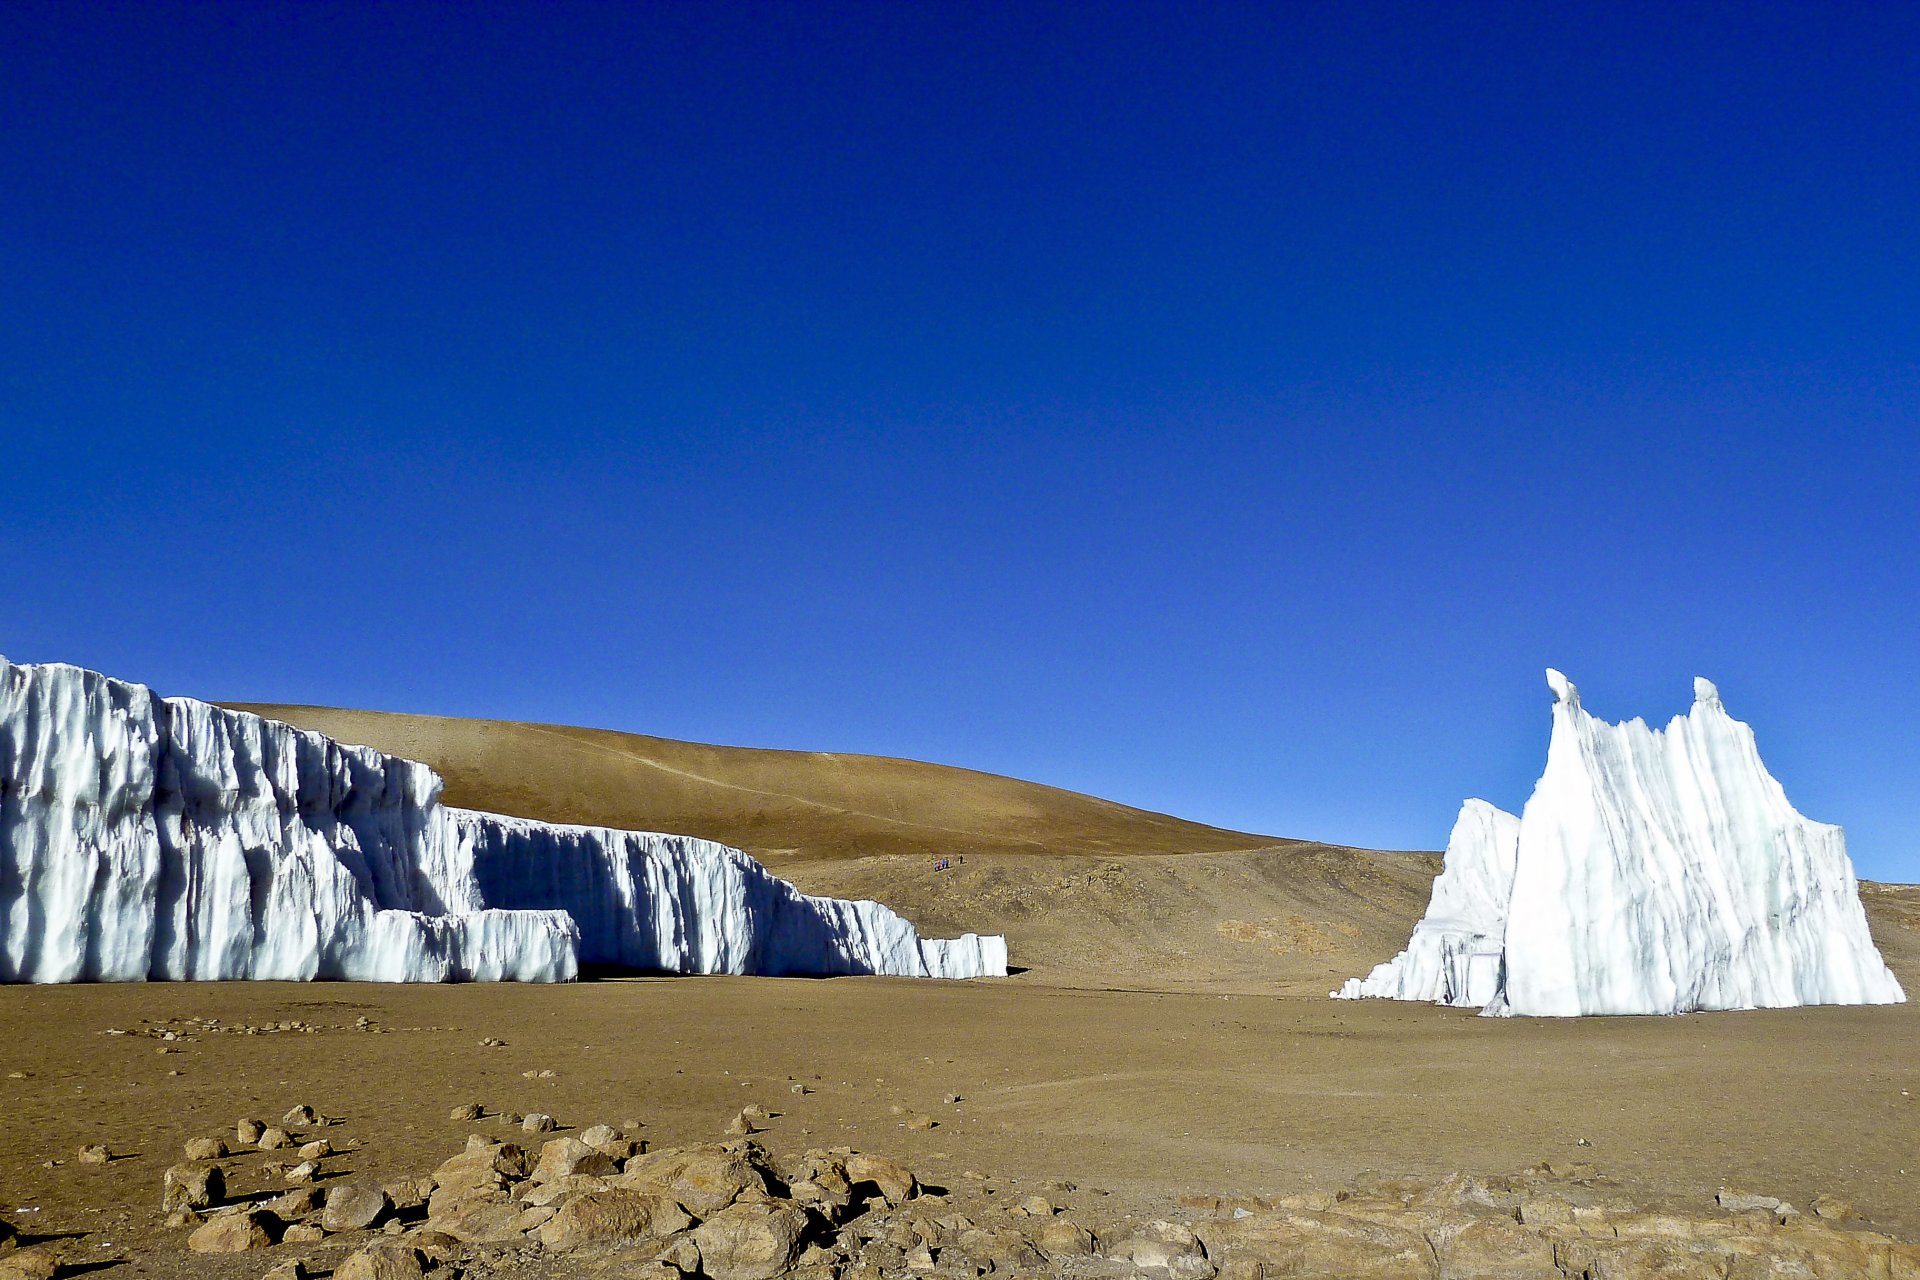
{"x":188,"y":1030}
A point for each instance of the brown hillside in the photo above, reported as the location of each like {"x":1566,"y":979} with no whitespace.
{"x":782,"y":806}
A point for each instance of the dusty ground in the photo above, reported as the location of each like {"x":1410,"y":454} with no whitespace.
{"x":1175,"y":1086}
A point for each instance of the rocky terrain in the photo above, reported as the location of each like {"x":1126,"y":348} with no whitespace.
{"x":524,"y":1197}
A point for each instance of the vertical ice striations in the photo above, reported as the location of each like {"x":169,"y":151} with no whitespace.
{"x":1655,"y":871}
{"x":145,"y":837}
{"x":678,"y":904}
{"x":1453,"y":957}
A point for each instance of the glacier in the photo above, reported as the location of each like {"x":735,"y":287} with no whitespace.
{"x":144,"y":837}
{"x":1652,"y":871}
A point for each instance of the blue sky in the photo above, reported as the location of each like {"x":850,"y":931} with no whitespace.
{"x":1224,"y":409}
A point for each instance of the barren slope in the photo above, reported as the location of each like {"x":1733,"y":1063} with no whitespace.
{"x":781,"y":806}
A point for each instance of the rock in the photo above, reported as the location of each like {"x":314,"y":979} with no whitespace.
{"x":1735,"y":1201}
{"x":706,"y":1179}
{"x":477,"y":1221}
{"x":292,"y":1269}
{"x":1037,"y":1207}
{"x":1833,"y":1209}
{"x":564,"y":1157}
{"x":95,"y":1154}
{"x":920,"y":1123}
{"x":1494,"y":1249}
{"x":408,"y":1193}
{"x":354,"y":1206}
{"x":305,"y":1171}
{"x":739,"y":1126}
{"x":753,"y":1241}
{"x":538,"y":1122}
{"x":952,"y":1099}
{"x":318,"y":1149}
{"x":192,"y":1186}
{"x":615,"y":1216}
{"x":599,"y":1135}
{"x":1321,"y":1243}
{"x":235,"y":1232}
{"x":274,"y":1139}
{"x":205,"y":1148}
{"x":304,"y":1233}
{"x":248,"y":1132}
{"x":179,"y":1219}
{"x":29,"y":1264}
{"x":466,"y":1111}
{"x":1064,"y":1238}
{"x":297,"y":1203}
{"x":892,"y":1179}
{"x":383,"y":1261}
{"x":1160,"y":1244}
{"x":300,"y":1117}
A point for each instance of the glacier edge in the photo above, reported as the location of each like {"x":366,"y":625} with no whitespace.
{"x":165,"y":838}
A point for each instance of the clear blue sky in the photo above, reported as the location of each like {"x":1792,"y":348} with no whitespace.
{"x":1229,"y":410}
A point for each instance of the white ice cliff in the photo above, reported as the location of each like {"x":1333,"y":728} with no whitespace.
{"x":146,"y":837}
{"x":1652,"y":871}
{"x":1454,"y":955}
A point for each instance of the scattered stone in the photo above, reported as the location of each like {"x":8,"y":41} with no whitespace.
{"x":304,"y":1233}
{"x":920,"y":1123}
{"x":354,"y":1206}
{"x":466,"y":1111}
{"x":1064,"y":1238}
{"x":615,"y":1216}
{"x":1833,"y":1208}
{"x":318,"y":1149}
{"x":751,"y":1241}
{"x":493,"y":1042}
{"x":537,"y":1122}
{"x":1735,"y":1201}
{"x":300,"y":1117}
{"x":951,"y":1099}
{"x":249,"y":1132}
{"x":273,"y":1139}
{"x":893,"y":1180}
{"x":565,"y":1157}
{"x":180,"y":1219}
{"x":292,"y":1269}
{"x":297,"y":1203}
{"x":29,"y":1264}
{"x":305,"y":1171}
{"x":234,"y":1232}
{"x":192,"y":1186}
{"x":205,"y":1148}
{"x":383,"y":1261}
{"x":95,"y":1153}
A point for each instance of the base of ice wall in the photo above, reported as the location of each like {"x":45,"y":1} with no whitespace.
{"x":164,"y":838}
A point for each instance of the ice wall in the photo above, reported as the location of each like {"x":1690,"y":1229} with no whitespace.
{"x":146,"y":837}
{"x":1453,"y":957}
{"x":1652,"y":871}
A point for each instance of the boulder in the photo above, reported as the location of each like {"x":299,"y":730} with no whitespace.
{"x":303,"y":1233}
{"x":537,"y":1122}
{"x":318,"y":1149}
{"x":706,"y":1179}
{"x":1064,"y":1238}
{"x":618,"y":1215}
{"x":235,"y":1232}
{"x":297,"y":1203}
{"x":564,"y":1157}
{"x":29,"y":1264}
{"x":1494,"y":1249}
{"x":94,"y":1153}
{"x":480,"y":1222}
{"x":273,"y":1139}
{"x":893,"y":1180}
{"x":300,"y":1117}
{"x":466,"y":1111}
{"x":382,"y":1261}
{"x":249,"y":1132}
{"x":205,"y":1149}
{"x":192,"y":1186}
{"x":354,"y":1206}
{"x":753,"y":1241}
